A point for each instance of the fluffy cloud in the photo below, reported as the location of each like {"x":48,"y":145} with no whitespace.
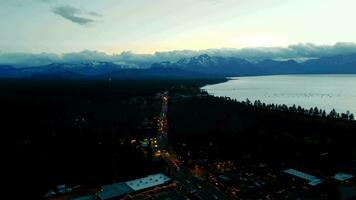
{"x":76,"y":15}
{"x":25,"y":59}
{"x":296,"y":52}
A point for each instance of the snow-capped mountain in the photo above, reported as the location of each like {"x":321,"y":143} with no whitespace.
{"x":210,"y":65}
{"x":199,"y":66}
{"x":231,"y":66}
{"x":85,"y":69}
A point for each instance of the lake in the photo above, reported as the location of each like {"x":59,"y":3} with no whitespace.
{"x":324,"y":91}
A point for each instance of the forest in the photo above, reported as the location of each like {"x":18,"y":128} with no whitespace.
{"x":207,"y":127}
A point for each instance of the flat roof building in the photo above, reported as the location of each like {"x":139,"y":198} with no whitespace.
{"x":114,"y":191}
{"x":342,"y":176}
{"x":148,"y":182}
{"x":122,"y":189}
{"x":87,"y":197}
{"x":313,"y":181}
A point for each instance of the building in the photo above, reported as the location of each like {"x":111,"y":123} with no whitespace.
{"x":61,"y":188}
{"x":148,"y":182}
{"x":114,"y":191}
{"x":87,"y":197}
{"x":342,"y":176}
{"x":313,"y":181}
{"x":122,"y":189}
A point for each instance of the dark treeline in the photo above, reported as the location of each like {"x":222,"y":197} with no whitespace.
{"x":312,"y":111}
{"x":77,"y":131}
{"x":221,"y":128}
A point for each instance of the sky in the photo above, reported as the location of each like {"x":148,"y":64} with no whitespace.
{"x":148,"y":26}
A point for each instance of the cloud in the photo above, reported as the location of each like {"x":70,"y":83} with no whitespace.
{"x":26,"y":59}
{"x":297,"y":52}
{"x":46,"y":1}
{"x":76,"y":15}
{"x":18,"y":5}
{"x":95,"y":14}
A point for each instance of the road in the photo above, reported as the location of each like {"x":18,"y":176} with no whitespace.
{"x":196,"y":188}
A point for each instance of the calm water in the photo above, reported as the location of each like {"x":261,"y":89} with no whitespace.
{"x":324,"y":91}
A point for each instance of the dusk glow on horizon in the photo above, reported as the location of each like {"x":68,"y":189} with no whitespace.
{"x":141,"y":26}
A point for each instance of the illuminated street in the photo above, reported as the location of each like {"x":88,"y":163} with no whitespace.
{"x":193,"y":187}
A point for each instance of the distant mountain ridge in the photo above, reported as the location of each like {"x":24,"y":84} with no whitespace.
{"x":203,"y":66}
{"x":333,"y":64}
{"x":222,"y":66}
{"x":95,"y":70}
{"x":230,"y":66}
{"x":85,"y":69}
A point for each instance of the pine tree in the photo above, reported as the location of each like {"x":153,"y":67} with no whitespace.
{"x":332,"y":114}
{"x":248,"y":102}
{"x":316,"y":111}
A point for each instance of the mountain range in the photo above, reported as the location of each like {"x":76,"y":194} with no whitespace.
{"x":230,"y":66}
{"x":203,"y":66}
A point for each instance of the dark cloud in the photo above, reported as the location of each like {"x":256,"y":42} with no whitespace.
{"x":299,"y":52}
{"x":95,"y":14}
{"x":76,"y":15}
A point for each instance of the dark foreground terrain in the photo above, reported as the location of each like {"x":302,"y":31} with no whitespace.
{"x":78,"y":131}
{"x":95,"y":132}
{"x":244,"y":148}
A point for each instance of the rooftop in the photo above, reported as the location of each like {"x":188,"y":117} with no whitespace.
{"x":312,"y":179}
{"x":114,"y":190}
{"x":343,"y":176}
{"x":148,"y":182}
{"x":88,"y":197}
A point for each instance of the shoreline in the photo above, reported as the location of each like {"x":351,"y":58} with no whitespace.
{"x":272,"y":94}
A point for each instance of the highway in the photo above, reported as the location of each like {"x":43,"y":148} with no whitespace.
{"x":195,"y":188}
